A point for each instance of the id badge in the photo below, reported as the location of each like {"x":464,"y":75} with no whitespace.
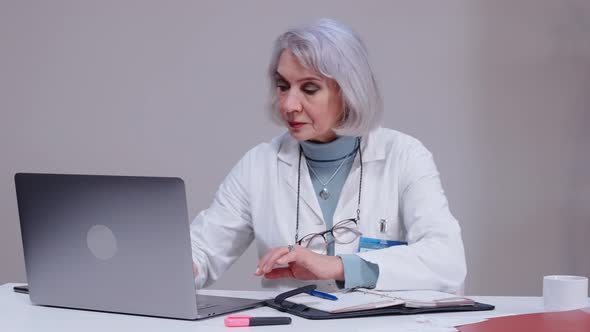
{"x":368,"y":244}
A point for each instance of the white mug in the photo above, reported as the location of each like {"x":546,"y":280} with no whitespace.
{"x":565,"y":292}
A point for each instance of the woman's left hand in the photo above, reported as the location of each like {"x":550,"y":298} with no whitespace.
{"x":302,"y":264}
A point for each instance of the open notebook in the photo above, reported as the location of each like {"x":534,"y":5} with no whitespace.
{"x":364,"y":299}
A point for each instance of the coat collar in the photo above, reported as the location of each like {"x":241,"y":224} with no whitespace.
{"x":372,"y":148}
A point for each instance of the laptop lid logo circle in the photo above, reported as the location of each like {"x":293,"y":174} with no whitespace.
{"x":102,"y":242}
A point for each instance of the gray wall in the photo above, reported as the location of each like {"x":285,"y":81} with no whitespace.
{"x":498,"y":90}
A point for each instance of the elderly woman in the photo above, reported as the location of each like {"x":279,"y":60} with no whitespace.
{"x":336,"y":199}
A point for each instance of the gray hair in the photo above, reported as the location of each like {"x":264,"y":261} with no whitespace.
{"x":335,"y":51}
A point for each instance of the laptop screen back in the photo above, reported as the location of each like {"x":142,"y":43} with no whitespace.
{"x":109,"y":243}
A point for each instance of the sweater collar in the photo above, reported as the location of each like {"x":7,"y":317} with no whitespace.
{"x":372,"y":147}
{"x":337,"y":149}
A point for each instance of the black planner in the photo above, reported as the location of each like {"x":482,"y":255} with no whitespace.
{"x":281,"y":303}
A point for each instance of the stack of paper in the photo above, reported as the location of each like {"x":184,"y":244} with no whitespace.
{"x":430,"y":299}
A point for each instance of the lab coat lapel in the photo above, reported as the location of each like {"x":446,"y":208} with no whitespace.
{"x":373,"y":150}
{"x":288,"y":167}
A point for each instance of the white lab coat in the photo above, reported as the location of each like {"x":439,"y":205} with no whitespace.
{"x":401,"y":184}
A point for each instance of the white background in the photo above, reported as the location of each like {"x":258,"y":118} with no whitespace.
{"x":499,"y":91}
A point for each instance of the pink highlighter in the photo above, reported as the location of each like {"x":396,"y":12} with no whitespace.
{"x":243,"y":320}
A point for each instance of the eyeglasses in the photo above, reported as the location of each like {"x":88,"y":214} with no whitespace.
{"x":344,"y":232}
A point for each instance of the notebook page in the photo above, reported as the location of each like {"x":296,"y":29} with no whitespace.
{"x":350,"y":301}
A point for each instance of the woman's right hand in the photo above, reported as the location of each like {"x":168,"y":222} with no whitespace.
{"x":195,"y":270}
{"x":301,"y":262}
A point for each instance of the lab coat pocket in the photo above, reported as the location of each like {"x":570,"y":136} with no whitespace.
{"x":391,"y":229}
{"x":385,"y":233}
{"x":388,"y":228}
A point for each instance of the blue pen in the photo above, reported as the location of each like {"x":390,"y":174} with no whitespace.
{"x":322,"y":295}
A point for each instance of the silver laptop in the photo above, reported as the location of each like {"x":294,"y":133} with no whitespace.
{"x":112,"y":243}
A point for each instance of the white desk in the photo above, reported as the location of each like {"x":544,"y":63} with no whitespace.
{"x":17,"y":314}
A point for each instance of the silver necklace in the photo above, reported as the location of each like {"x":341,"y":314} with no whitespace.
{"x":324,"y":193}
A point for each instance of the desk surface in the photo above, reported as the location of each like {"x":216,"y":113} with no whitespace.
{"x":17,"y":314}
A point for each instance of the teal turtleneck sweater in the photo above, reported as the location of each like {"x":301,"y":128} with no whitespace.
{"x":324,"y":159}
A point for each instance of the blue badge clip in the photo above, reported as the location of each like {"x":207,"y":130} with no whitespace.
{"x":368,"y":244}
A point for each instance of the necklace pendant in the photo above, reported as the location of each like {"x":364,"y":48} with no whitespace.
{"x":324,"y":194}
